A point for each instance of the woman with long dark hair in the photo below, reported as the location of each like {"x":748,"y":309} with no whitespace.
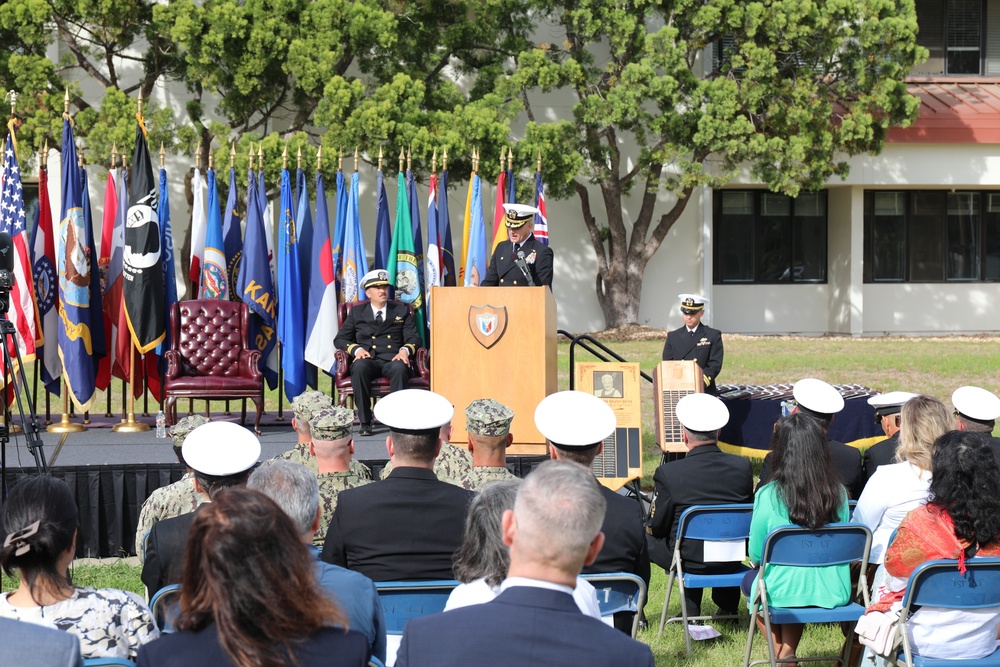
{"x":250,"y":597}
{"x":803,"y":491}
{"x":40,"y":519}
{"x":961,"y":520}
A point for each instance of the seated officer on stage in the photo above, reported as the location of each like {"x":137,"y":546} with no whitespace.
{"x":380,"y":338}
{"x":887,"y":407}
{"x":705,"y":476}
{"x":522,"y":260}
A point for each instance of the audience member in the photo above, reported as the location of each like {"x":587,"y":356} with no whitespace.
{"x":250,"y":595}
{"x":407,"y":526}
{"x":303,"y":407}
{"x":41,"y":521}
{"x":553,"y":530}
{"x":822,"y":401}
{"x":887,"y":407}
{"x":221,"y":455}
{"x":961,"y":520}
{"x":30,"y":645}
{"x":705,"y":476}
{"x":293,"y":487}
{"x":977,"y":410}
{"x":481,"y":563}
{"x":805,"y":490}
{"x":452,"y":463}
{"x":174,"y":499}
{"x":333,"y":450}
{"x":488,"y":425}
{"x":897,"y":488}
{"x":576,"y":424}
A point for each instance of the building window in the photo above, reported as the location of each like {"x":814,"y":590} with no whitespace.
{"x":962,"y":36}
{"x":932,"y":236}
{"x":763,"y":237}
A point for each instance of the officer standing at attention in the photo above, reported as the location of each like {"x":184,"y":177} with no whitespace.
{"x":696,"y":341}
{"x":522,"y":260}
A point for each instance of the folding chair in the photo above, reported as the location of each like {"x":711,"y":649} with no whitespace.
{"x":709,"y":523}
{"x":108,"y":662}
{"x":938,"y":583}
{"x":619,"y":592}
{"x":403,"y":600}
{"x":833,"y":544}
{"x":165,"y":606}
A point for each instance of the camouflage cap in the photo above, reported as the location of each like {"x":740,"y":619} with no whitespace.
{"x":332,"y":423}
{"x":487,"y":417}
{"x":307,"y":403}
{"x":180,"y":430}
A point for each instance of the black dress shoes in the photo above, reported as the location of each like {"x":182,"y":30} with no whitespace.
{"x":366,"y":429}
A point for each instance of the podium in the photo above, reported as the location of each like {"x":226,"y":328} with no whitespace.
{"x":495,"y":342}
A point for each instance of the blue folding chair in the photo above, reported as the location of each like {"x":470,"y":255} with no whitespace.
{"x":165,"y":606}
{"x":619,"y":592}
{"x":938,"y":583}
{"x":108,"y":662}
{"x":403,"y":600}
{"x":709,"y":523}
{"x":833,"y":544}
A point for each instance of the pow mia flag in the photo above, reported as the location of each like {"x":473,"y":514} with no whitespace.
{"x":142,"y":271}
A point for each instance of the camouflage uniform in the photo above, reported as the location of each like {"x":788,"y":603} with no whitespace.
{"x":450,"y":466}
{"x":300,"y":454}
{"x":174,"y":499}
{"x":304,"y":406}
{"x":478,"y":476}
{"x":330,"y":485}
{"x":487,"y":418}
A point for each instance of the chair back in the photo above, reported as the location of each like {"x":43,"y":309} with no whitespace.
{"x":715,"y":523}
{"x":618,"y":591}
{"x":209,"y":334}
{"x":832,"y":544}
{"x":403,"y":600}
{"x":165,"y":606}
{"x":107,"y":662}
{"x":938,"y":583}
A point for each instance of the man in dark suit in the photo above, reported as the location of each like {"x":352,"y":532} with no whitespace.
{"x":221,"y":455}
{"x":822,"y":401}
{"x":522,"y":260}
{"x":380,"y":340}
{"x":30,"y":645}
{"x":705,"y":476}
{"x":576,"y":424}
{"x":887,"y":407}
{"x":553,"y":530}
{"x":696,"y":341}
{"x":407,"y":526}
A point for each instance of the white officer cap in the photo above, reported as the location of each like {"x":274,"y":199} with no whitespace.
{"x":702,"y":412}
{"x":976,"y":403}
{"x":414,"y":410}
{"x":518,"y":214}
{"x":220,"y":449}
{"x":891,"y":402}
{"x":375,"y":278}
{"x":817,"y":396}
{"x":692,"y":303}
{"x":574,"y":419}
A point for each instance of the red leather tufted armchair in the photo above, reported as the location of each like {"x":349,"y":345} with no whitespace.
{"x":209,"y":357}
{"x":420,"y":370}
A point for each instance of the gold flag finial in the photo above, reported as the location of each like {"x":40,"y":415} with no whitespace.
{"x":510,"y":158}
{"x":232,"y":156}
{"x":197,"y":158}
{"x":409,"y":159}
{"x":284,"y":158}
{"x":260,"y":156}
{"x":12,"y":97}
{"x":114,"y":154}
{"x":340,"y":159}
{"x":539,"y":167}
{"x":250,"y":157}
{"x":380,"y":158}
{"x":355,"y":158}
{"x":402,"y":156}
{"x":319,"y":158}
{"x":503,"y":156}
{"x":140,"y":101}
{"x":298,"y":164}
{"x":211,"y":155}
{"x":434,"y":162}
{"x":163,"y":155}
{"x":444,"y":159}
{"x":66,"y":103}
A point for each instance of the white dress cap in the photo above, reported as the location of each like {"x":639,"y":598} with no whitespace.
{"x":892,"y":399}
{"x":575,"y":419}
{"x":414,"y":410}
{"x":519,"y":211}
{"x":702,"y":412}
{"x":977,"y":403}
{"x":220,"y":449}
{"x":818,"y":396}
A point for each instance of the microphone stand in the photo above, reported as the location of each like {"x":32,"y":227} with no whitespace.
{"x":519,"y":261}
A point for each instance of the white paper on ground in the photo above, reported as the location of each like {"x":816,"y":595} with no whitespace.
{"x":702,"y":632}
{"x":725,"y":551}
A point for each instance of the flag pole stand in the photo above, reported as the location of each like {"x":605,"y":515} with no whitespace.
{"x":65,"y":425}
{"x":130,"y":425}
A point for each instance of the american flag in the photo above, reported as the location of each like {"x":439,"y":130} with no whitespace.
{"x":22,"y":313}
{"x":541,"y":219}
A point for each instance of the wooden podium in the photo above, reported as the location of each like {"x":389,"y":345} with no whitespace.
{"x":495,"y":342}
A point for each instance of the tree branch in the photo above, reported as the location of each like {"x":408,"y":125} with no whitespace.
{"x":81,"y":56}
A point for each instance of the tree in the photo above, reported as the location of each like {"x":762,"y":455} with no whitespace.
{"x":794,"y":88}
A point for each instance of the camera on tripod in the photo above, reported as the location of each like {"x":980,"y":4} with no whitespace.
{"x":6,"y":284}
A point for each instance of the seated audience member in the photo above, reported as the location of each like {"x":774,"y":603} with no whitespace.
{"x":897,"y":488}
{"x":482,"y":562}
{"x":221,"y":455}
{"x":705,"y":476}
{"x":250,"y":595}
{"x":977,"y":410}
{"x":332,"y":449}
{"x":41,"y":521}
{"x":452,"y":463}
{"x":407,"y":526}
{"x":887,"y":408}
{"x":174,"y":499}
{"x":961,"y":520}
{"x":488,"y":425}
{"x":303,"y":407}
{"x":576,"y":424}
{"x":37,"y":646}
{"x":293,"y":487}
{"x":552,"y":531}
{"x":822,"y":401}
{"x":804,"y":490}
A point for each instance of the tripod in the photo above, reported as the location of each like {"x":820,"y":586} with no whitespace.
{"x":29,"y":420}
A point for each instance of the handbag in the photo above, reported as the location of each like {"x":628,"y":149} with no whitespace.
{"x":877,"y":631}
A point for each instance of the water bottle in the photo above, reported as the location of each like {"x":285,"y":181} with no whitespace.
{"x":161,"y":425}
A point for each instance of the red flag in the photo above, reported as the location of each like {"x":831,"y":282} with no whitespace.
{"x":499,"y":227}
{"x":107,"y":236}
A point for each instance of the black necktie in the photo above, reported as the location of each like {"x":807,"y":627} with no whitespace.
{"x":378,"y":317}
{"x":517,"y":249}
{"x":691,"y":331}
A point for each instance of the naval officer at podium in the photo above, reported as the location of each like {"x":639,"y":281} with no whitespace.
{"x":522,"y":260}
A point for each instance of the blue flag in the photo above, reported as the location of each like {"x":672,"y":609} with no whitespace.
{"x":418,"y":251}
{"x":169,"y":271}
{"x":96,"y":305}
{"x":475,"y":261}
{"x":304,"y":227}
{"x":232,"y":235}
{"x":214,"y":280}
{"x":255,"y":287}
{"x":339,"y":231}
{"x":449,"y":276}
{"x":511,"y":187}
{"x":322,"y":325}
{"x":383,"y":228}
{"x":76,"y":339}
{"x":355,"y":257}
{"x":291,"y":325}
